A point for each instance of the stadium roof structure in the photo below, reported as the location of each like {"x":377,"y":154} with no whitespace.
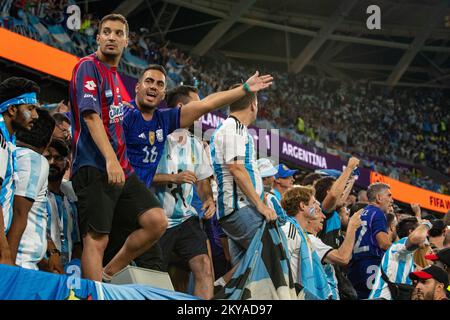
{"x":325,"y":37}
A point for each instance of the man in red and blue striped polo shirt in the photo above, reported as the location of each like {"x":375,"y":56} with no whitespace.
{"x":103,"y":179}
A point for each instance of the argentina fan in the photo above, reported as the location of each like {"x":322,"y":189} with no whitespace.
{"x":225,"y":150}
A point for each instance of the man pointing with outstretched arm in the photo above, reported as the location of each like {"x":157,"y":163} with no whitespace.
{"x":147,"y":127}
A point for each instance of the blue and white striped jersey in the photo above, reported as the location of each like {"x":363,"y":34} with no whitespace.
{"x":397,"y":263}
{"x":182,"y":151}
{"x":307,"y":269}
{"x":32,"y":172}
{"x":273,"y":203}
{"x":232,"y":142}
{"x":63,"y":224}
{"x":6,"y":175}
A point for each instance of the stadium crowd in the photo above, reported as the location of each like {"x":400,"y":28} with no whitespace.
{"x":334,"y":116}
{"x":105,"y":185}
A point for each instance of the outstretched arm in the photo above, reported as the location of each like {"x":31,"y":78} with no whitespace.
{"x":343,"y":254}
{"x":195,"y":109}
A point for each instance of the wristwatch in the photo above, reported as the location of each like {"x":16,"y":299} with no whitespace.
{"x":52,"y":252}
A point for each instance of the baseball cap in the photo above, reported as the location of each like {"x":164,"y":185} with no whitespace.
{"x":266,"y":168}
{"x":284,"y":171}
{"x":431,"y":272}
{"x":442,"y":255}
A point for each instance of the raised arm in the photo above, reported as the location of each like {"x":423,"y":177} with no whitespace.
{"x":343,"y":254}
{"x":418,"y":236}
{"x":347,"y":191}
{"x":417,"y":211}
{"x":335,"y":193}
{"x":195,"y":109}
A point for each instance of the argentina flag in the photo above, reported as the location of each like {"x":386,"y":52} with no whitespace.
{"x":264,"y":272}
{"x":25,"y":284}
{"x":312,"y":277}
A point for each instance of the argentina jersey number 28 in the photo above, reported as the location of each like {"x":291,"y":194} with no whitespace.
{"x":150,"y":157}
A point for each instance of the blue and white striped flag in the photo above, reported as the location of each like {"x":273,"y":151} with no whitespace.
{"x":264,"y":272}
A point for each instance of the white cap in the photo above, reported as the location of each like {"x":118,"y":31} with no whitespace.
{"x":266,"y":168}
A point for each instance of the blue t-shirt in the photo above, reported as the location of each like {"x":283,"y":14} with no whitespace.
{"x":366,"y":244}
{"x":367,"y":254}
{"x":145,"y":139}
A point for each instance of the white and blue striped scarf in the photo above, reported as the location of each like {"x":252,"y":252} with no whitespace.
{"x":312,"y":276}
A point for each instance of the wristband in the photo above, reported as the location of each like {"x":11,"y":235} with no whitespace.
{"x":428,"y":224}
{"x":246,"y":87}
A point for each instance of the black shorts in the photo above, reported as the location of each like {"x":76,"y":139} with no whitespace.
{"x":99,"y":202}
{"x":186,"y":240}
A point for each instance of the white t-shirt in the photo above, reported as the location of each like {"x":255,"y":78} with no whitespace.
{"x":294,"y":241}
{"x":232,"y":142}
{"x":63,"y":223}
{"x":32,"y":170}
{"x":397,"y":263}
{"x":189,"y":154}
{"x":322,"y":250}
{"x":308,"y":260}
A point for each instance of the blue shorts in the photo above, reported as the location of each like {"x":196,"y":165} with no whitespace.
{"x":240,"y":227}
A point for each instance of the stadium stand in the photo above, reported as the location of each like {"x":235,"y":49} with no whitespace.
{"x":124,"y":184}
